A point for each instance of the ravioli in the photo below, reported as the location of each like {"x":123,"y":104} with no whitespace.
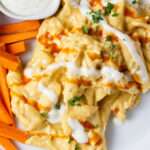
{"x":91,"y":59}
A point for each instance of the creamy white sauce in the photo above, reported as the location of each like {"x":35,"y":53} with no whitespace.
{"x":117,"y":122}
{"x":2,"y":148}
{"x":26,"y":7}
{"x":47,"y":92}
{"x":85,"y":8}
{"x":54,"y":116}
{"x":78,"y":132}
{"x":28,"y":72}
{"x":105,"y":2}
{"x":145,"y":4}
{"x":72,"y":69}
{"x":111,"y":75}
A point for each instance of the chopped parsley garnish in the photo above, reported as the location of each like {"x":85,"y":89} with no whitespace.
{"x":112,"y":46}
{"x":57,"y":106}
{"x":108,"y":38}
{"x":96,"y":126}
{"x":86,"y":130}
{"x":112,"y":57}
{"x":77,"y":147}
{"x":70,"y":140}
{"x":115,"y":14}
{"x":85,"y":29}
{"x":134,"y":2}
{"x":75,"y":99}
{"x":96,"y":16}
{"x":43,"y":114}
{"x":124,"y":39}
{"x":109,"y":8}
{"x":79,"y":104}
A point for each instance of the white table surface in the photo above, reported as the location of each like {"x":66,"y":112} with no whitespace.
{"x":134,"y":134}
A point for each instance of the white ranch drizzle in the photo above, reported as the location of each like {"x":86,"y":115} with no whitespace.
{"x":108,"y":73}
{"x":54,"y":116}
{"x":49,"y":93}
{"x":111,"y":75}
{"x":28,"y":72}
{"x":85,"y":8}
{"x":78,"y":132}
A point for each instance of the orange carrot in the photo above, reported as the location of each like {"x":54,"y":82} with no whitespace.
{"x":13,"y":133}
{"x":4,"y":92}
{"x":16,"y":48}
{"x":9,"y":61}
{"x":12,"y":38}
{"x":20,"y":27}
{"x":4,"y":115}
{"x":7,"y":144}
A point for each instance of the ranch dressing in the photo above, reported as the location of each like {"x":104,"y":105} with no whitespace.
{"x":27,"y":7}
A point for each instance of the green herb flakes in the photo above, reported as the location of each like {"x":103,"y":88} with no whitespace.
{"x":44,"y":115}
{"x":86,"y":130}
{"x":85,"y":29}
{"x":115,"y":14}
{"x":134,"y":2}
{"x":70,"y":140}
{"x":57,"y":106}
{"x":96,"y":126}
{"x":108,"y":38}
{"x":109,"y":8}
{"x":96,"y":16}
{"x":77,"y":147}
{"x":75,"y":99}
{"x":112,"y":46}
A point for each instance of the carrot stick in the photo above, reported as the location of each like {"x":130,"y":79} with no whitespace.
{"x":16,"y":48}
{"x":20,"y":27}
{"x":4,"y":91}
{"x":9,"y":61}
{"x":7,"y":144}
{"x":4,"y":115}
{"x":12,"y":38}
{"x":13,"y":133}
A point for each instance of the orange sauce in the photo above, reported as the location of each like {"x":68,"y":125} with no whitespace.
{"x":93,"y":56}
{"x":94,"y":3}
{"x":70,"y":51}
{"x":79,"y":82}
{"x":25,"y":80}
{"x":51,"y":135}
{"x":31,"y":102}
{"x":116,"y":111}
{"x":116,"y":7}
{"x":130,"y":13}
{"x":87,"y":125}
{"x":108,"y":59}
{"x":95,"y":139}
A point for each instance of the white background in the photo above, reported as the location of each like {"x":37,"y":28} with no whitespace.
{"x":134,"y":134}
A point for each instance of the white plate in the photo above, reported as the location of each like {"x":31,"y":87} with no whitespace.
{"x":135,"y":132}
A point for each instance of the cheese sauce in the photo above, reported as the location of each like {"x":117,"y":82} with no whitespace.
{"x":27,"y":7}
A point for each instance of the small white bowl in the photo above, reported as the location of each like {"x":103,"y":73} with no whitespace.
{"x":54,"y":6}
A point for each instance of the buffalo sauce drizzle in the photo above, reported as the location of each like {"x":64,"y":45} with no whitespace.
{"x":53,"y":47}
{"x":95,"y":139}
{"x":33,"y":103}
